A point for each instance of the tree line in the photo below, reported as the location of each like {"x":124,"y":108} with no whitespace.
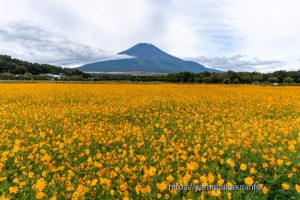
{"x":12,"y":66}
{"x":229,"y":77}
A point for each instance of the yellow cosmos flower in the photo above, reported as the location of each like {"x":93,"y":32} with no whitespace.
{"x":248,"y":180}
{"x":230,"y":162}
{"x":161,"y":186}
{"x":297,"y":188}
{"x":279,"y":162}
{"x":192,"y":166}
{"x":112,"y":192}
{"x":285,"y":186}
{"x":30,"y":175}
{"x":170,"y":178}
{"x":40,"y":185}
{"x":2,"y":179}
{"x":210,"y":178}
{"x":243,"y":167}
{"x":265,"y":190}
{"x":229,"y":195}
{"x":13,"y":190}
{"x":40,"y":195}
{"x":113,"y":174}
{"x":252,"y":170}
{"x":138,"y":188}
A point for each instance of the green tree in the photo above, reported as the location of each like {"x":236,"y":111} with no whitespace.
{"x":28,"y":74}
{"x":6,"y":76}
{"x":226,"y":81}
{"x":288,"y":80}
{"x":273,"y":79}
{"x":236,"y":81}
{"x":85,"y":75}
{"x":21,"y":70}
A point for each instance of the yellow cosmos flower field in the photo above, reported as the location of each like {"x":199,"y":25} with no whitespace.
{"x":138,"y":141}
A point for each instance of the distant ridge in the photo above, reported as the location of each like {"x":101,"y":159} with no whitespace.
{"x":17,"y":66}
{"x":146,"y":58}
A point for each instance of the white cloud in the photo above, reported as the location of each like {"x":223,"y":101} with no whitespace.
{"x":239,"y":63}
{"x":269,"y":28}
{"x":36,"y":43}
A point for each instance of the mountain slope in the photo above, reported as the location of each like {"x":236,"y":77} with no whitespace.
{"x":146,"y":58}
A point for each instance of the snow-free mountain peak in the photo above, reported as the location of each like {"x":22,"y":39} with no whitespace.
{"x":145,"y":58}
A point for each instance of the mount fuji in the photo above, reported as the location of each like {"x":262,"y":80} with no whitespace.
{"x":145,"y":58}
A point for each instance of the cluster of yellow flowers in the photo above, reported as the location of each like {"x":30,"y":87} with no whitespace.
{"x":132,"y":141}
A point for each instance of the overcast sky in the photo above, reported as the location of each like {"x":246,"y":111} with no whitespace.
{"x":241,"y":35}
